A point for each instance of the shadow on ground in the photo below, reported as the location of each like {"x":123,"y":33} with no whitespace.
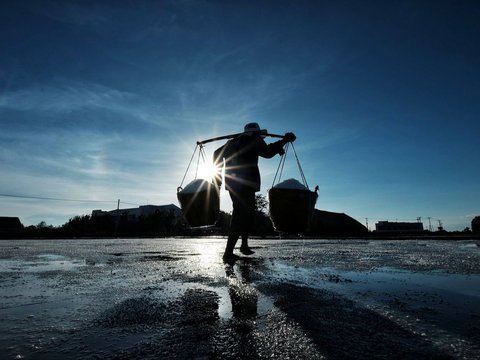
{"x":344,"y":330}
{"x":303,"y":323}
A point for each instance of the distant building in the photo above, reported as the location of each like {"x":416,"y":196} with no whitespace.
{"x":10,"y":226}
{"x":327,"y":223}
{"x":398,"y":227}
{"x":143,"y":210}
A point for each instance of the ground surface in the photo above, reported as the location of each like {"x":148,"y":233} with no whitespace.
{"x":293,"y":299}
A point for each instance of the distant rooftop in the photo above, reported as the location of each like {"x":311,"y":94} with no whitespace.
{"x":8,"y":223}
{"x":387,"y":226}
{"x":143,"y":210}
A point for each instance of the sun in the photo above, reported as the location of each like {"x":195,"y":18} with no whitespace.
{"x":208,"y":171}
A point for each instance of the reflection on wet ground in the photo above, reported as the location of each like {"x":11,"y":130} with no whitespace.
{"x":174,"y":298}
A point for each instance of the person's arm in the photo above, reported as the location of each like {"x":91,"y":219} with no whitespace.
{"x":272,"y":149}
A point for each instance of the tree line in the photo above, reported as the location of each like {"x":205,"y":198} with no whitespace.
{"x":161,"y":224}
{"x":164,"y":224}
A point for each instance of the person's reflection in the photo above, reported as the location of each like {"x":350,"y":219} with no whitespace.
{"x":242,"y":296}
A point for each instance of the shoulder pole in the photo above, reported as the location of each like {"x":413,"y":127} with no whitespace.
{"x":232,"y":136}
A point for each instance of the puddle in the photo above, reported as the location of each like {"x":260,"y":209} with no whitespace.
{"x":255,"y":304}
{"x":42,"y":263}
{"x":224,"y":304}
{"x":449,"y":299}
{"x":469,"y":246}
{"x":380,"y":279}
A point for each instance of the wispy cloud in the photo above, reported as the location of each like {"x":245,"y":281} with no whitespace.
{"x":234,"y":100}
{"x":64,"y":97}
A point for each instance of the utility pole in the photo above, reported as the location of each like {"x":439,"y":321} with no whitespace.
{"x":118,"y":217}
{"x":440,"y":225}
{"x":366,"y":221}
{"x":429,"y":224}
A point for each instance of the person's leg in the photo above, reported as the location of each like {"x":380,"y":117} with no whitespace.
{"x":244,"y":248}
{"x":231,"y":242}
{"x":244,"y":241}
{"x":249,"y":218}
{"x":236,"y":223}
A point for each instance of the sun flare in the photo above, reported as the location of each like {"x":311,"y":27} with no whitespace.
{"x":208,"y":171}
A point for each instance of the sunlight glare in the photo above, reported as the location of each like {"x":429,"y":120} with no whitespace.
{"x":207,"y":171}
{"x":209,"y":253}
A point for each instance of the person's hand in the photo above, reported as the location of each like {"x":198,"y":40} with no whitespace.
{"x":289,"y":137}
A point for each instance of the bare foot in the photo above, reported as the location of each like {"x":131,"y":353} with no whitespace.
{"x":245,"y":250}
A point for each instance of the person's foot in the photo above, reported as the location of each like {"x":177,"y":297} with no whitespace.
{"x":230,"y":258}
{"x":245,"y":250}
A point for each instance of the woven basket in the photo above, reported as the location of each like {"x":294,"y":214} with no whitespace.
{"x":291,"y":210}
{"x":202,"y":207}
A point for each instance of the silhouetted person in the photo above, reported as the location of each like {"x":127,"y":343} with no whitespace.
{"x":242,"y":180}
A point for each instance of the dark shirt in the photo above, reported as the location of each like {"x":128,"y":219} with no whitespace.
{"x":240,"y":156}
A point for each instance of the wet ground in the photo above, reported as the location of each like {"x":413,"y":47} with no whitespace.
{"x":293,"y":299}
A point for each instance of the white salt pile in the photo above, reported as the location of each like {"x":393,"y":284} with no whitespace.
{"x":291,"y":184}
{"x":196,"y":185}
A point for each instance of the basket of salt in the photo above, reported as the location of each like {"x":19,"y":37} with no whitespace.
{"x":291,"y":206}
{"x":200,"y":202}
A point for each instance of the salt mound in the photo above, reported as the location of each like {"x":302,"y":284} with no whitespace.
{"x":291,"y":184}
{"x":195,"y":186}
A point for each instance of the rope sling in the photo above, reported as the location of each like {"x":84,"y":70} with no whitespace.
{"x":282,"y":164}
{"x":201,"y":206}
{"x":201,"y":154}
{"x":291,"y":210}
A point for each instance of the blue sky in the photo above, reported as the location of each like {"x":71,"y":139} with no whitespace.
{"x":105,"y":100}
